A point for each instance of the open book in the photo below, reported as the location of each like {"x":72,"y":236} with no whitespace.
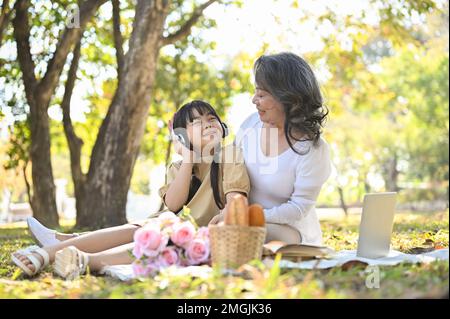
{"x":296,"y":252}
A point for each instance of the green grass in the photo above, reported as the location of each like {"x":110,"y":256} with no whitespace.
{"x":413,"y":232}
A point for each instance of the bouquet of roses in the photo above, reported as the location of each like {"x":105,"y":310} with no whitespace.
{"x":169,"y":240}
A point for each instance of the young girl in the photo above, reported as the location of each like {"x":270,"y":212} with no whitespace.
{"x":205,"y":180}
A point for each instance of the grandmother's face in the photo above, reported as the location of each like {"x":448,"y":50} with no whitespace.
{"x":269,"y":109}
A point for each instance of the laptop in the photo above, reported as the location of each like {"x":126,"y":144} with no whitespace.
{"x":375,"y":229}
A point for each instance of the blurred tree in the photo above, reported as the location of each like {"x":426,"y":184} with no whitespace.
{"x":18,"y":155}
{"x":370,"y":86}
{"x":419,"y":80}
{"x":103,"y":190}
{"x":119,"y":139}
{"x":39,"y":92}
{"x":5,"y":15}
{"x":372,"y":126}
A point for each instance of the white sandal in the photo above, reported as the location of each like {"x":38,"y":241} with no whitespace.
{"x":28,"y":253}
{"x":70,"y":263}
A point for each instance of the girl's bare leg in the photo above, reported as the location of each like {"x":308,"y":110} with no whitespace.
{"x":64,"y":236}
{"x":98,"y":240}
{"x":91,"y":242}
{"x":115,"y":256}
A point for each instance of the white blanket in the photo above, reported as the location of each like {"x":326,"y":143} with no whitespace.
{"x":395,"y":257}
{"x":125,"y":272}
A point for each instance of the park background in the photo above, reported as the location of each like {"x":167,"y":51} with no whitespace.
{"x":382,"y":67}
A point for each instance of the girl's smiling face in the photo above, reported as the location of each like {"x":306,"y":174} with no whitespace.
{"x":204,"y":130}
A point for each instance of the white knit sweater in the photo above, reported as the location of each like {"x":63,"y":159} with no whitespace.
{"x":286,"y":185}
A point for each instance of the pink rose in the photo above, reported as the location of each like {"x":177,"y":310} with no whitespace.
{"x":149,"y":240}
{"x":203,"y":233}
{"x":138,"y":269}
{"x":137,"y":251}
{"x":198,"y":251}
{"x":142,"y":270}
{"x":182,"y":233}
{"x":167,"y":220}
{"x":152,"y":267}
{"x":169,"y":216}
{"x":169,"y":256}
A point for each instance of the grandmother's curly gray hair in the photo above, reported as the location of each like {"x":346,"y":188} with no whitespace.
{"x":292,"y":82}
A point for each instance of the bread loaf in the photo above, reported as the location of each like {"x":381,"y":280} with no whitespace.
{"x":256,"y":215}
{"x":237,"y":211}
{"x":241,"y":210}
{"x":230,"y":214}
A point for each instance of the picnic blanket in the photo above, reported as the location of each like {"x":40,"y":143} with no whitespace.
{"x":125,"y":272}
{"x":341,"y":257}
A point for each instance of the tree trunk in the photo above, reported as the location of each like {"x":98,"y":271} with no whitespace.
{"x":43,"y":196}
{"x":391,"y":174}
{"x":74,"y":142}
{"x":114,"y":154}
{"x":120,"y":135}
{"x":39,"y":94}
{"x":342,"y":201}
{"x":43,"y":199}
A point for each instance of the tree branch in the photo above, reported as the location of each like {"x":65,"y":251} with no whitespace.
{"x":27,"y":183}
{"x":4,"y":18}
{"x":4,"y":11}
{"x":70,"y":36}
{"x":186,"y":28}
{"x":74,"y":142}
{"x":118,"y":39}
{"x":22,"y":36}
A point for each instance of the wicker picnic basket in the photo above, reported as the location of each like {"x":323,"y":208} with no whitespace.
{"x":233,"y":246}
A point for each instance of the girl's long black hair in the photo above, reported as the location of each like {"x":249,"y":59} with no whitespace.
{"x":181,"y":118}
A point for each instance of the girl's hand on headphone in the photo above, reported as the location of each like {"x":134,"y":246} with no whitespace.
{"x":188,"y":155}
{"x":177,"y":145}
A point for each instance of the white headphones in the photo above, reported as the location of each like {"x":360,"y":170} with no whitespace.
{"x":184,"y":139}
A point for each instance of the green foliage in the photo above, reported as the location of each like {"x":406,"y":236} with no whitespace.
{"x":418,"y":80}
{"x":18,"y":152}
{"x":98,"y":65}
{"x":186,"y":215}
{"x":388,"y":96}
{"x":387,"y":89}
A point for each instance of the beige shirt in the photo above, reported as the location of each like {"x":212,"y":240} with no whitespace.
{"x":233,"y":176}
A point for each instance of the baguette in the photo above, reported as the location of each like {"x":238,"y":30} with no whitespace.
{"x":241,"y":210}
{"x":230,"y":214}
{"x":256,"y":215}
